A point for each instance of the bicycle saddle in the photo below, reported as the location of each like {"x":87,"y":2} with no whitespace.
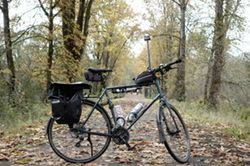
{"x":99,"y":70}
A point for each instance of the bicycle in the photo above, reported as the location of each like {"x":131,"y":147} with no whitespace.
{"x":86,"y":138}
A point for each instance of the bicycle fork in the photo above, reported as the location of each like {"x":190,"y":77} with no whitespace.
{"x":160,"y":116}
{"x":159,"y":125}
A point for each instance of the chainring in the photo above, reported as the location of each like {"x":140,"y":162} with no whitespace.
{"x":120,"y":135}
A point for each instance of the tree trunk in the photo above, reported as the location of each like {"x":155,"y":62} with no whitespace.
{"x":209,"y":72}
{"x":86,"y":25}
{"x":51,"y":47}
{"x":218,"y":54}
{"x":50,"y":39}
{"x":68,"y":26}
{"x":179,"y":92}
{"x":80,"y":15}
{"x":75,"y":32}
{"x":208,"y":78}
{"x":70,"y":37}
{"x":8,"y":46}
{"x":106,"y":57}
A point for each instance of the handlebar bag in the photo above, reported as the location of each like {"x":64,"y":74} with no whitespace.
{"x":94,"y":77}
{"x":66,"y":106}
{"x":146,"y":78}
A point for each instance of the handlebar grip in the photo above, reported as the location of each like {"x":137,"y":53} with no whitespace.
{"x":177,"y":61}
{"x":167,"y":67}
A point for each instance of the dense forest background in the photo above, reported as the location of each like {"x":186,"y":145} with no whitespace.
{"x":53,"y":40}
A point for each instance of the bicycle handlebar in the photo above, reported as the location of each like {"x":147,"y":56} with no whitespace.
{"x":166,"y":67}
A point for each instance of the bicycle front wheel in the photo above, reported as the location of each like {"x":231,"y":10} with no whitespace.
{"x":86,"y":140}
{"x":175,"y":134}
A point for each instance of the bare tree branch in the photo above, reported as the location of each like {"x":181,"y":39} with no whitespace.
{"x":237,"y":84}
{"x":229,"y":15}
{"x":80,"y":15}
{"x":166,"y":34}
{"x":57,"y":13}
{"x":186,"y":3}
{"x":247,"y":56}
{"x":87,"y":18}
{"x":43,"y":8}
{"x":120,"y":50}
{"x":26,"y":38}
{"x":176,"y":2}
{"x":55,"y":4}
{"x":22,"y":34}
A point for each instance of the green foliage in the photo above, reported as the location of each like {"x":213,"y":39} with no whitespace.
{"x":111,"y":31}
{"x":240,"y":133}
{"x":235,"y":122}
{"x":24,"y":105}
{"x":12,"y":118}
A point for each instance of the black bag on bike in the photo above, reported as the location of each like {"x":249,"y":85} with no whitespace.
{"x":94,"y":77}
{"x":66,"y":105}
{"x":145,"y":78}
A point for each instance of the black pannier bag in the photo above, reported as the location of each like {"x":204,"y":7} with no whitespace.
{"x":67,"y":111}
{"x":94,"y":77}
{"x":66,"y":102}
{"x":145,"y":78}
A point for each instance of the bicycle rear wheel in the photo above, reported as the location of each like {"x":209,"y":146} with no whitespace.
{"x":175,"y":133}
{"x":84,"y":142}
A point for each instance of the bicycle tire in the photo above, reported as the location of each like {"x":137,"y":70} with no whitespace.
{"x":99,"y":122}
{"x":172,"y":135}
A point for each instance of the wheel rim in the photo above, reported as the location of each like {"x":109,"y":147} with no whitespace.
{"x":76,"y":146}
{"x":176,"y":138}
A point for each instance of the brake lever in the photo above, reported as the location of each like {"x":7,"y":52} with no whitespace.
{"x":162,"y":68}
{"x":170,"y":68}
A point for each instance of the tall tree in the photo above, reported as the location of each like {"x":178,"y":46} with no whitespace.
{"x":50,"y":37}
{"x":112,"y":31}
{"x":8,"y":45}
{"x":75,"y":31}
{"x":224,"y":13}
{"x":179,"y":92}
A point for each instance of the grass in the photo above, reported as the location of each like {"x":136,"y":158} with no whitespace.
{"x":235,"y":122}
{"x":13,"y":119}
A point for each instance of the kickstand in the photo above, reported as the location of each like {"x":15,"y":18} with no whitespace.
{"x":90,"y":142}
{"x":129,"y":147}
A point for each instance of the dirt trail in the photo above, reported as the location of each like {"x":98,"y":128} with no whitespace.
{"x":209,"y":146}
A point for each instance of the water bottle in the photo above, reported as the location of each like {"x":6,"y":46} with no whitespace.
{"x":119,"y":115}
{"x":134,"y":113}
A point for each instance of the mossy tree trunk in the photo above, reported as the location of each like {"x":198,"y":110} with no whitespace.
{"x":224,"y":14}
{"x":75,"y":31}
{"x":8,"y":47}
{"x":50,"y":37}
{"x":179,"y":92}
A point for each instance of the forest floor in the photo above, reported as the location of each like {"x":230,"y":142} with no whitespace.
{"x":210,"y":146}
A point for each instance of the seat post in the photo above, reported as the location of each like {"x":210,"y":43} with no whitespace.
{"x":103,"y":83}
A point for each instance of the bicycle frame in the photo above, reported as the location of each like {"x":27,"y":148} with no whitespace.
{"x":160,"y":96}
